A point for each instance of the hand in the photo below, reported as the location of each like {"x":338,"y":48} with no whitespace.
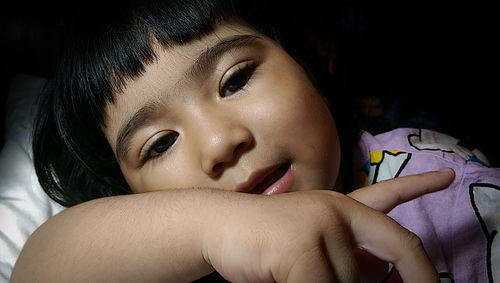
{"x":384,"y":196}
{"x":314,"y":236}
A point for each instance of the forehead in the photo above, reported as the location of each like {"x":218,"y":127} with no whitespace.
{"x":164,"y":74}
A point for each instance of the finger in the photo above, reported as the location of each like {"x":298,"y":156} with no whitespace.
{"x":386,"y":195}
{"x":389,"y":241}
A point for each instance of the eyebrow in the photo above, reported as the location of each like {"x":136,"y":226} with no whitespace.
{"x":142,"y":117}
{"x":202,"y":66}
{"x":207,"y":60}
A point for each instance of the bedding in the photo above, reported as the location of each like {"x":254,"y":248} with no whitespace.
{"x":23,"y":204}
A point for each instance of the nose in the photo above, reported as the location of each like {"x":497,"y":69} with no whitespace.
{"x":222,"y":143}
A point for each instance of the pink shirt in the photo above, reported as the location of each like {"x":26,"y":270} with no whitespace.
{"x":458,"y":225}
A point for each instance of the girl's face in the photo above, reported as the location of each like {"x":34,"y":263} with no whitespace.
{"x":232,"y":111}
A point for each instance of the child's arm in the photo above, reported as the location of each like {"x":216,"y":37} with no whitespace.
{"x":146,"y":237}
{"x":179,"y":235}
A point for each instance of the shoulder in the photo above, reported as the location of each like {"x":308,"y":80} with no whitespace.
{"x":422,"y":142}
{"x":407,"y":151}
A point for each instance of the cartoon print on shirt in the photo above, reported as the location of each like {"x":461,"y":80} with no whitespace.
{"x":386,"y":164}
{"x":484,"y":199}
{"x":431,"y":140}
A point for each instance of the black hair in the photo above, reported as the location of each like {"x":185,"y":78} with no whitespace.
{"x":73,"y":160}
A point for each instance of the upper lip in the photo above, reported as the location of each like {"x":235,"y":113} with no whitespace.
{"x":255,"y":178}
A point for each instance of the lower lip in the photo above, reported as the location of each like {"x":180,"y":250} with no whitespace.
{"x":282,"y":185}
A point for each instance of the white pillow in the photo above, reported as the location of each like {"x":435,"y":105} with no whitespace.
{"x":23,"y":204}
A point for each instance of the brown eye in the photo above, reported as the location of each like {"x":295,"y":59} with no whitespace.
{"x":161,"y":146}
{"x":237,"y":79}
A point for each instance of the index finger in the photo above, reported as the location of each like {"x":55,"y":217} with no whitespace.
{"x":386,"y":195}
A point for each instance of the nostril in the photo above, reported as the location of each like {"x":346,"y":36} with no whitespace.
{"x":217,"y":167}
{"x":240,"y":147}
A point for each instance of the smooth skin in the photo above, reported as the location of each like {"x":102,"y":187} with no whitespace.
{"x":181,"y":235}
{"x":178,"y":131}
{"x":276,"y":116}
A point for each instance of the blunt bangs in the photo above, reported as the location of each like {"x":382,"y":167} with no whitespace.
{"x":108,"y":46}
{"x":105,"y":48}
{"x":117,"y":45}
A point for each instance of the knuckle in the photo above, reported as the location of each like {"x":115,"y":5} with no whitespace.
{"x":329,"y":212}
{"x":388,"y":183}
{"x":413,"y":242}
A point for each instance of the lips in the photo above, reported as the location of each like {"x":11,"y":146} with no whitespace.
{"x":268,"y":181}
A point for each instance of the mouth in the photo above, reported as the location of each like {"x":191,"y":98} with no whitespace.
{"x":269,"y":181}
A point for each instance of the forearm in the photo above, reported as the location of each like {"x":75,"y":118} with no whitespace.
{"x":170,"y":236}
{"x":138,"y":238}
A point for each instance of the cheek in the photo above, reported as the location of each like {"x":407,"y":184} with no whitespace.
{"x":299,"y":121}
{"x":296,"y":108}
{"x":287,"y":108}
{"x":314,"y":129}
{"x":315,"y":146}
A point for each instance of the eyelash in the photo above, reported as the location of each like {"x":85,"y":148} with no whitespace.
{"x":243,"y":73}
{"x":168,"y":140}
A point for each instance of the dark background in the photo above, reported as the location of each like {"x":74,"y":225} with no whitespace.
{"x":406,"y":63}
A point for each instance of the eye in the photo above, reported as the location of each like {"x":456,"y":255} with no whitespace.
{"x":160,"y":146}
{"x":236,"y":78}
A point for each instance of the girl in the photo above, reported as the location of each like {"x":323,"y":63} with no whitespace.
{"x":185,"y":103}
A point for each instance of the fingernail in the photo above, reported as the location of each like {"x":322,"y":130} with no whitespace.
{"x":447,"y":170}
